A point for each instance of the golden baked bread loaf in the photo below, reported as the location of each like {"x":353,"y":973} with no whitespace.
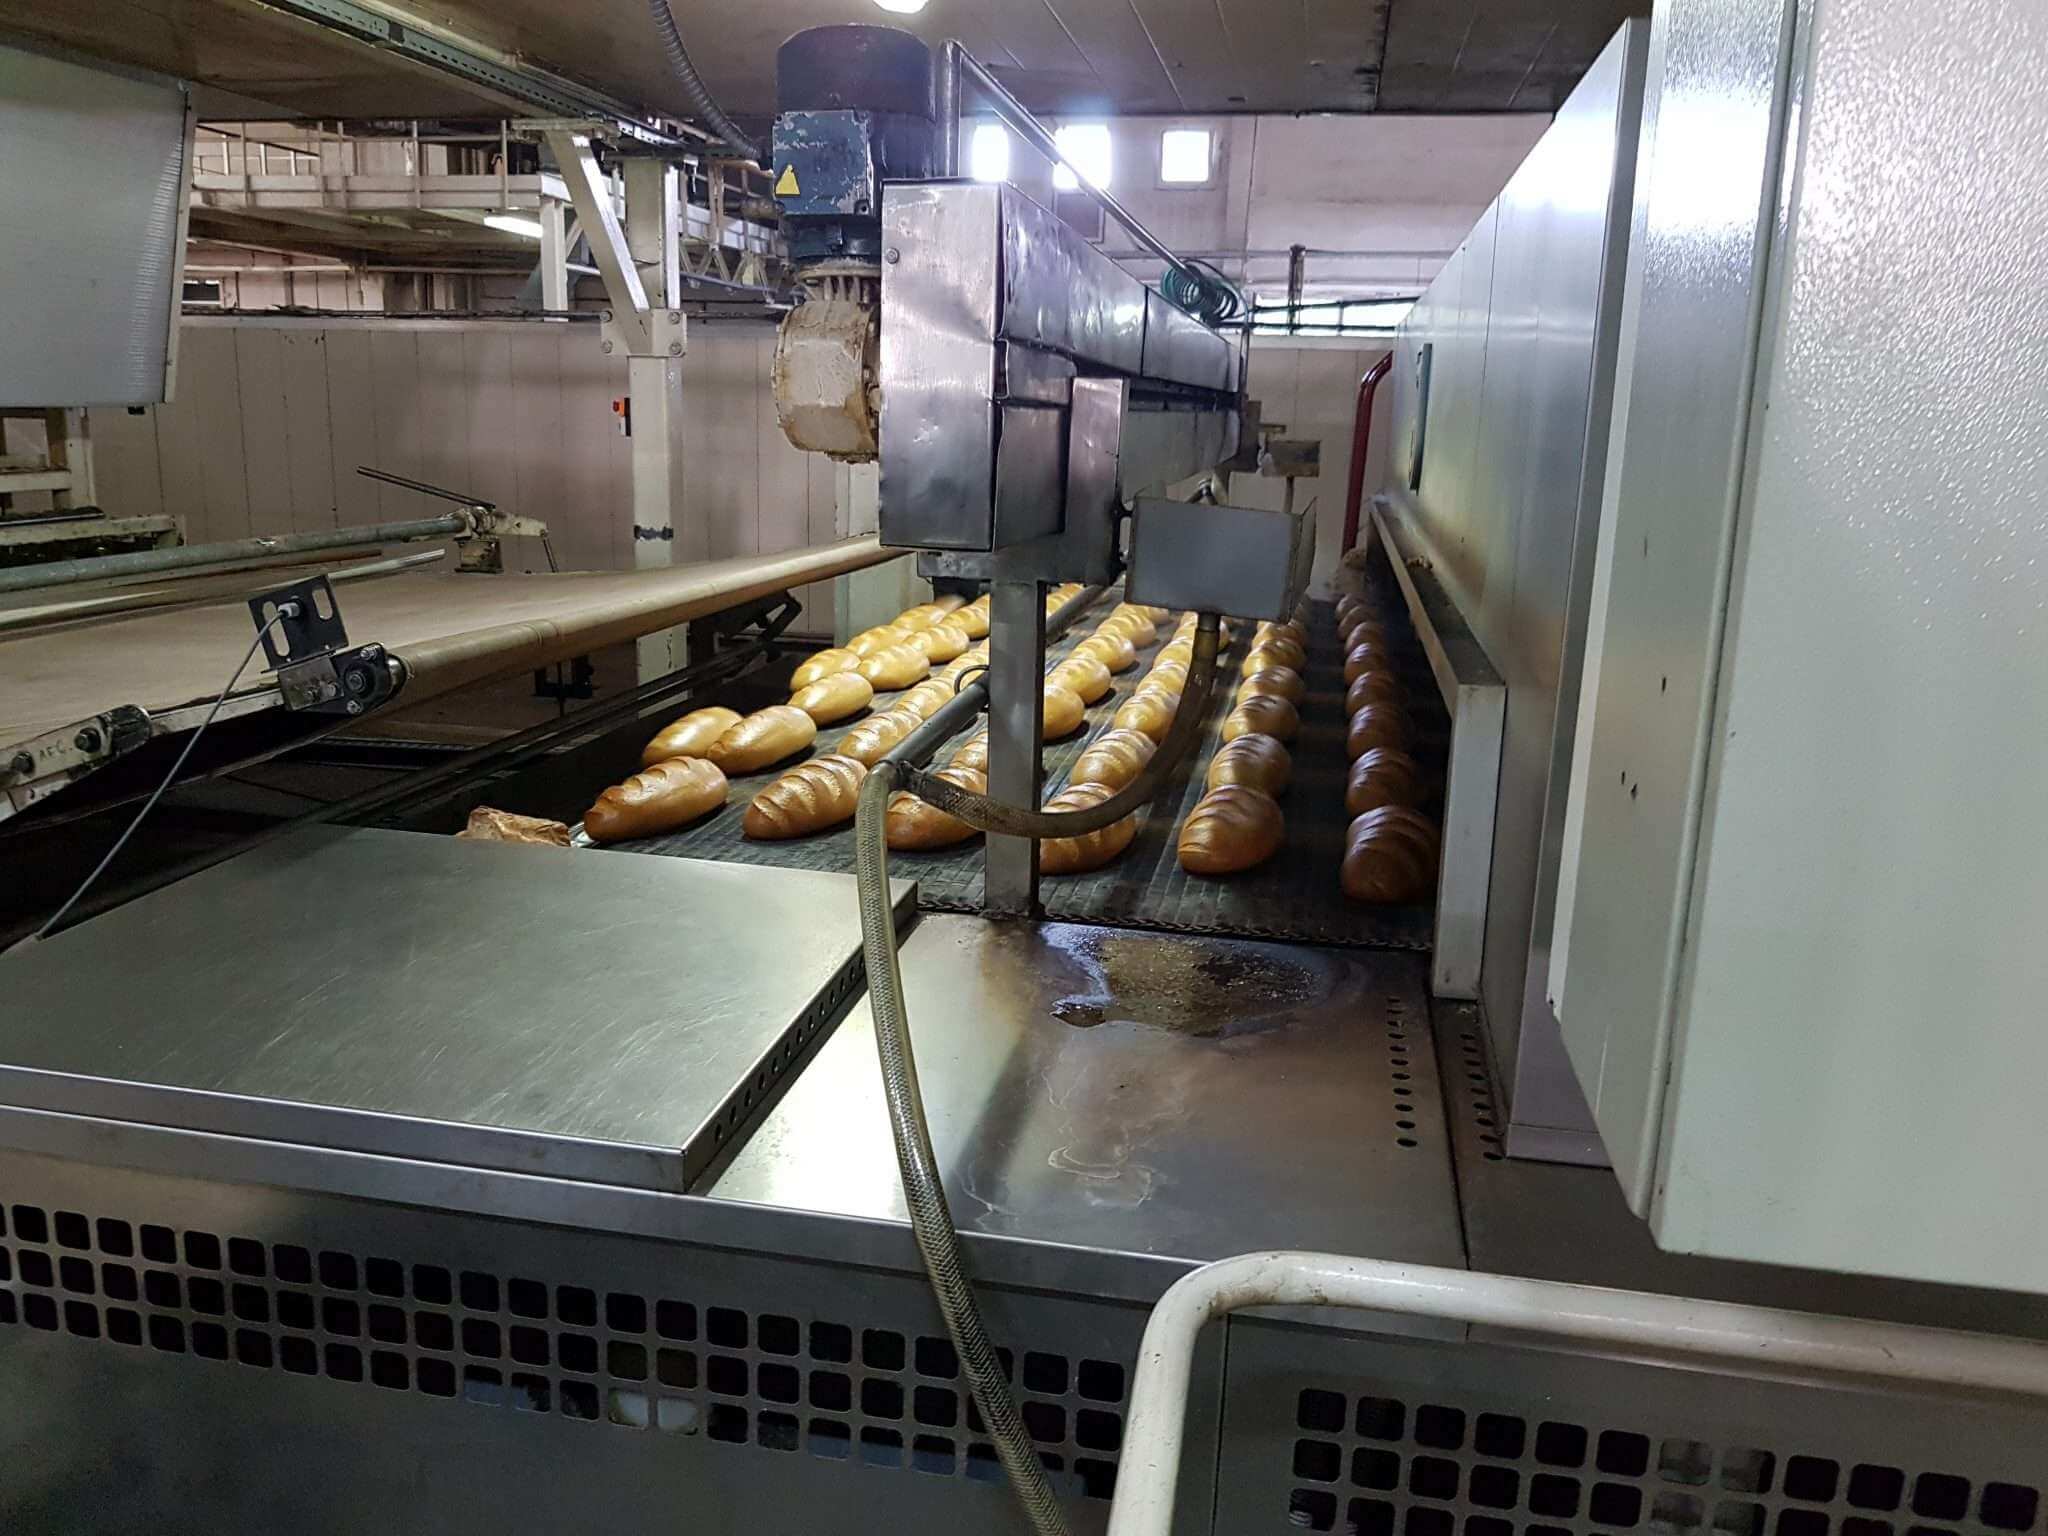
{"x":1112,"y":647}
{"x":1276,"y":652}
{"x":1264,"y":714}
{"x":941,"y":642}
{"x":766,"y":736}
{"x":1114,"y":758}
{"x":869,"y":641}
{"x":1091,"y":850}
{"x":1064,"y":711}
{"x":834,"y":698}
{"x":866,"y":742}
{"x":1351,"y":608}
{"x":973,"y":619}
{"x":913,"y":823}
{"x":1383,"y":776}
{"x":923,"y":616}
{"x":1390,"y":855}
{"x":926,"y":699}
{"x":1256,"y":760}
{"x":1366,"y":657}
{"x":1146,"y":712}
{"x":1083,"y":672}
{"x":893,"y":667}
{"x":1232,"y":828}
{"x":1281,"y":682}
{"x":1135,"y":622}
{"x":1287,"y":629}
{"x":1167,"y":676}
{"x":689,"y":736}
{"x":1378,"y":686}
{"x":824,"y":664}
{"x":973,"y":753}
{"x":1376,"y":725}
{"x":809,"y":798}
{"x":1363,"y":632}
{"x":658,"y":799}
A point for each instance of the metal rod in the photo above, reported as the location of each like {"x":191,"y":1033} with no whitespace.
{"x":946,"y":108}
{"x":64,"y":573}
{"x":1039,"y":137}
{"x":1726,"y":1334}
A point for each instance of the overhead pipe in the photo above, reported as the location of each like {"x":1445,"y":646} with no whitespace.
{"x":180,"y":557}
{"x":1361,"y":439}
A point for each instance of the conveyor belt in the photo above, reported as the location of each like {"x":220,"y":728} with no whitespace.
{"x":1294,"y":896}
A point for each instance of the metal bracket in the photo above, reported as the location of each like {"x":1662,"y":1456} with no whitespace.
{"x":656,"y":534}
{"x":35,"y":769}
{"x":338,"y":683}
{"x":299,"y":621}
{"x":658,"y":333}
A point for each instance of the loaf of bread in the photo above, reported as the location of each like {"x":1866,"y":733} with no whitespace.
{"x":1254,"y":760}
{"x":923,"y":616}
{"x":1363,"y":658}
{"x":1110,"y":646}
{"x":658,"y":799}
{"x":1281,"y":682}
{"x":1091,"y":850}
{"x":488,"y":824}
{"x":834,"y":698}
{"x":973,"y":618}
{"x":1383,"y":776}
{"x":809,"y":798}
{"x":689,"y":736}
{"x":926,"y":699}
{"x":1135,"y":622}
{"x":1263,"y":714}
{"x":1376,"y":725}
{"x":1351,"y":608}
{"x":766,"y":736}
{"x":913,"y":823}
{"x":1148,"y":713}
{"x":866,"y":742}
{"x":1085,"y":674}
{"x":1363,"y":632}
{"x":1287,"y":629}
{"x":1232,"y":828}
{"x":1378,"y":686}
{"x":1278,"y":651}
{"x":1064,"y":711}
{"x":1390,"y":855}
{"x":869,"y":641}
{"x":973,"y":753}
{"x":1114,"y":758}
{"x":824,"y":664}
{"x":1167,"y":677}
{"x":1181,"y":652}
{"x":893,"y":667}
{"x":940,"y":642}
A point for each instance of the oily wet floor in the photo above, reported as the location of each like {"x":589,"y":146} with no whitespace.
{"x":1201,"y":988}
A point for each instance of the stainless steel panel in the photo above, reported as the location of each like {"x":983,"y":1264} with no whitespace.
{"x":1139,"y":1092}
{"x":938,"y":364}
{"x":1180,"y":348}
{"x":1016,"y":732}
{"x":93,"y":244}
{"x":1247,"y":562}
{"x":1061,"y":292}
{"x":1164,"y":447}
{"x":1026,"y":372}
{"x":1031,"y":473}
{"x":472,"y":1003}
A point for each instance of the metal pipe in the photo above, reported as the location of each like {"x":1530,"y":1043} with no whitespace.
{"x":1725,"y":1334}
{"x":1361,"y":439}
{"x":946,"y":107}
{"x":64,"y":573}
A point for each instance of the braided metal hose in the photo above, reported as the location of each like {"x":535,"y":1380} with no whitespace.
{"x":693,"y":84}
{"x":924,"y":1191}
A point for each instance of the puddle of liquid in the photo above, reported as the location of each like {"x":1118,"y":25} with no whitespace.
{"x":1191,"y":987}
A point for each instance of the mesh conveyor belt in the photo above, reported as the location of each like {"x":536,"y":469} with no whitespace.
{"x":1293,"y":896}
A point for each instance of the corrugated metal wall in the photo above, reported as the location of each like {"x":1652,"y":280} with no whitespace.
{"x":272,"y":417}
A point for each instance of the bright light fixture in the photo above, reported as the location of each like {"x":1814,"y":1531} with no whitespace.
{"x":513,"y":225}
{"x":1184,"y":157}
{"x":1087,"y":146}
{"x":901,"y":7}
{"x":989,"y":155}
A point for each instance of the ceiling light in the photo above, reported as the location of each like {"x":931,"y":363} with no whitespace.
{"x":901,"y":7}
{"x":513,"y":226}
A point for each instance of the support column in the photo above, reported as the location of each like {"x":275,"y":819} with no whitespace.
{"x":1016,"y":722}
{"x":554,"y":255}
{"x":662,"y":532}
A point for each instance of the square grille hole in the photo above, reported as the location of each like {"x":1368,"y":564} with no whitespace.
{"x":344,"y":1362}
{"x":938,"y":1407}
{"x":1941,"y":1496}
{"x":831,"y":1439}
{"x":2010,"y":1507}
{"x":628,"y":1362}
{"x":1554,"y":1497}
{"x":37,"y":1270}
{"x":1439,"y":1428}
{"x":31,"y":1225}
{"x":41,"y":1312}
{"x":479,"y":1291}
{"x":481,"y":1338}
{"x":1684,"y":1461}
{"x":1498,"y":1488}
{"x":1319,"y":1411}
{"x":529,"y":1346}
{"x":340,"y":1316}
{"x":881,"y":1399}
{"x":776,"y":1431}
{"x":831,"y":1391}
{"x":1311,"y":1509}
{"x":1098,"y":1478}
{"x":579,"y":1401}
{"x":1874,"y":1487}
{"x":1045,"y":1373}
{"x":118,"y":1281}
{"x":73,"y":1230}
{"x":245,"y":1255}
{"x":932,"y":1454}
{"x":430,"y":1283}
{"x":1433,"y":1477}
{"x":389,"y":1370}
{"x":881,"y":1349}
{"x":526,"y":1298}
{"x":881,"y":1447}
{"x":436,"y":1377}
{"x":631,"y":1409}
{"x":578,"y":1353}
{"x":1498,"y":1434}
{"x":1744,"y":1470}
{"x":1095,"y":1430}
{"x":202,"y":1249}
{"x":298,"y":1356}
{"x":384,"y":1277}
{"x":1560,"y":1445}
{"x":1102,"y":1381}
{"x":1375,"y":1469}
{"x":1371,"y":1517}
{"x":1424,"y":1521}
{"x":1615,"y":1504}
{"x":82,"y":1318}
{"x":430,"y":1330}
{"x":386,"y":1324}
{"x":983,"y":1465}
{"x":76,"y":1275}
{"x":576,"y":1305}
{"x":1622,"y":1454}
{"x":935,"y":1357}
{"x":831,"y":1343}
{"x":1382,"y":1418}
{"x":159,"y":1245}
{"x":1046,"y":1421}
{"x":530,"y":1393}
{"x":253,"y":1348}
{"x":1735,"y":1518}
{"x":726,"y":1376}
{"x":1317,"y":1460}
{"x":776,"y":1383}
{"x":1676,"y":1512}
{"x":1813,"y":1478}
{"x":338,"y":1273}
{"x":116,"y":1240}
{"x":675,"y":1368}
{"x":628,"y":1314}
{"x":675,"y":1320}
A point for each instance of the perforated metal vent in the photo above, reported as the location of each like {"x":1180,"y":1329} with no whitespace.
{"x":1375,"y":1466}
{"x":689,"y":1366}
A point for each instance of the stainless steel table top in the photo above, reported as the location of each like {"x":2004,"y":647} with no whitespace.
{"x":1137,"y":1092}
{"x":493,"y":1005}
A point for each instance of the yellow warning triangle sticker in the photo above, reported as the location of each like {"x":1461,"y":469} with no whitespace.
{"x":785,"y":185}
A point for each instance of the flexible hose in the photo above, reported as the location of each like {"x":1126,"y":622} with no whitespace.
{"x":1022,"y":821}
{"x":693,"y":84}
{"x":924,"y":1192}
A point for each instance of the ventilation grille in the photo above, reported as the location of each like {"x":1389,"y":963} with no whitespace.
{"x":832,"y":1389}
{"x":1377,"y":1466}
{"x":1470,"y":1072}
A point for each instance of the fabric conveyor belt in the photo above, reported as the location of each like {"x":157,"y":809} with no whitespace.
{"x":1294,"y":896}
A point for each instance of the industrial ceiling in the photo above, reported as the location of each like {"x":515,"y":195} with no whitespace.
{"x":1061,"y":56}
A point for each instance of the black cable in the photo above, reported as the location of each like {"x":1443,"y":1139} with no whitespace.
{"x":288,"y":610}
{"x":693,"y":84}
